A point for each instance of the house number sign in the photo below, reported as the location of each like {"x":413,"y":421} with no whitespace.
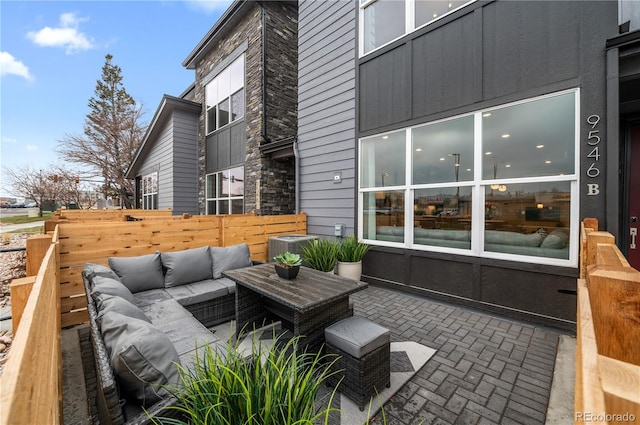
{"x":593,"y":146}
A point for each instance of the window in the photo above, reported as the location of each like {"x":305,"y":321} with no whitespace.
{"x":500,"y":183}
{"x":225,"y":192}
{"x":150,"y":191}
{"x":224,"y":96}
{"x":386,"y":20}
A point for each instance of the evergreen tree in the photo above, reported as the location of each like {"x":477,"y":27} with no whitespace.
{"x":112,"y":134}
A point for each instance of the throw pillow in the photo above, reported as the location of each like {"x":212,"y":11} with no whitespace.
{"x":229,"y":258}
{"x":190,"y":265}
{"x":143,"y":358}
{"x":139,"y":273}
{"x":555,"y":240}
{"x":109,"y":286}
{"x":105,"y":303}
{"x":90,"y":270}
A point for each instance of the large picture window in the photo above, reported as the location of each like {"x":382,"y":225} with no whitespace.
{"x":150,"y":191}
{"x":499,"y":183}
{"x":225,"y":192}
{"x":383,"y":21}
{"x":224,"y":96}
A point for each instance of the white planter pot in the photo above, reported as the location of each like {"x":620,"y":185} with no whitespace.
{"x":350,"y":270}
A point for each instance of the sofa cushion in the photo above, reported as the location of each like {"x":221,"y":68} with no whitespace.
{"x":230,"y":284}
{"x":557,"y":239}
{"x":139,"y":273}
{"x":229,"y":258}
{"x":198,"y":292}
{"x":109,"y":286}
{"x":143,"y":358}
{"x":91,"y":270}
{"x":105,"y":303}
{"x":190,"y":265}
{"x":165,"y":311}
{"x":512,"y":238}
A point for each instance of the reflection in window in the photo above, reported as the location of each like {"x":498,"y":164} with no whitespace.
{"x":383,"y":160}
{"x":225,"y":192}
{"x":442,"y":217}
{"x":520,"y":204}
{"x":386,"y":20}
{"x":224,"y":96}
{"x":530,"y":139}
{"x":384,"y":215}
{"x":150,"y":191}
{"x":443,"y":152}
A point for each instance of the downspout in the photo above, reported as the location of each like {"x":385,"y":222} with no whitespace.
{"x":264,"y":73}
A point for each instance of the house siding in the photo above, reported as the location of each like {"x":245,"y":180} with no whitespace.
{"x":185,"y":158}
{"x":326,"y":114}
{"x":160,"y":160}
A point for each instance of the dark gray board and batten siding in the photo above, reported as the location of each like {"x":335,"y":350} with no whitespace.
{"x":485,"y":54}
{"x":326,"y":114}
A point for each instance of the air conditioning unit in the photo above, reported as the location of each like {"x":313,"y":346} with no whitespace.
{"x":290,"y":243}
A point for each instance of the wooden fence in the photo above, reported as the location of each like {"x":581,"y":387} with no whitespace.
{"x":86,"y":241}
{"x":607,"y":387}
{"x":76,"y":216}
{"x":31,"y":384}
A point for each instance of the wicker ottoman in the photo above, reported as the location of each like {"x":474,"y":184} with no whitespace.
{"x":364,"y":350}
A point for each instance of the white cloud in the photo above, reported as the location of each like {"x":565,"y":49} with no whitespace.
{"x":66,"y":35}
{"x":31,"y":148}
{"x":8,"y":140}
{"x":209,"y":6}
{"x":11,"y":66}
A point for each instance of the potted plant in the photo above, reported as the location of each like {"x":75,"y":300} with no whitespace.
{"x":321,"y":254}
{"x":287,"y":265}
{"x":350,"y":254}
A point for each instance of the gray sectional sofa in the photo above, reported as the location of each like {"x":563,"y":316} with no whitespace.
{"x":148,"y":314}
{"x":555,"y":244}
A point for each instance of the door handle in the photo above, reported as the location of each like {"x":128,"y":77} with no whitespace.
{"x":633,"y":232}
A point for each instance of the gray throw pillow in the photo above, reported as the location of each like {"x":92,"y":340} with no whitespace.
{"x":109,"y":286}
{"x":555,"y":240}
{"x":190,"y":265}
{"x":90,"y":270}
{"x":105,"y":303}
{"x":139,"y":273}
{"x":229,"y":258}
{"x":143,"y":358}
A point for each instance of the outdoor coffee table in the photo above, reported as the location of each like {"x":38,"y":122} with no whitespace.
{"x":305,"y":305}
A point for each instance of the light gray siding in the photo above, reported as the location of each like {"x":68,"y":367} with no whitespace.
{"x":185,"y":162}
{"x":326,"y":113}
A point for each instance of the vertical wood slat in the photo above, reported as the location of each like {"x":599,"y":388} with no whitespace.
{"x":37,"y":246}
{"x":20,"y":289}
{"x":30,"y":383}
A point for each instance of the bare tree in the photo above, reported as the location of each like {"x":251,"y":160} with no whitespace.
{"x":39,"y":186}
{"x":112,"y":134}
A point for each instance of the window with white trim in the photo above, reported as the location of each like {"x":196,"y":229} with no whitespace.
{"x":150,"y":191}
{"x":224,"y":97}
{"x":500,"y":183}
{"x":225,"y":191}
{"x":383,"y":21}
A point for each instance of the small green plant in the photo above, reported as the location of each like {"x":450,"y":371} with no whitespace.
{"x":321,"y":254}
{"x":352,"y":250}
{"x":288,"y":259}
{"x":278,"y":386}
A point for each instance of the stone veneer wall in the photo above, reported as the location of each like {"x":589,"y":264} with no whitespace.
{"x":276,"y":176}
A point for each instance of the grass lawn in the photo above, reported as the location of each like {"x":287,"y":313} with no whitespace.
{"x":20,"y":219}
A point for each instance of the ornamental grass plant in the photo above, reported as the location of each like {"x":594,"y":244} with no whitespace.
{"x":321,"y":254}
{"x":276,"y":386}
{"x":352,"y":250}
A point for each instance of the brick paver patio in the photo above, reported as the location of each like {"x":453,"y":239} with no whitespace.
{"x":487,"y":370}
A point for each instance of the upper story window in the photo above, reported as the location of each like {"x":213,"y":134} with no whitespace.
{"x":224,"y":96}
{"x":383,"y":21}
{"x":499,"y":183}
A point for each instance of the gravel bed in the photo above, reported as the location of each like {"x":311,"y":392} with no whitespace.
{"x":12,"y":266}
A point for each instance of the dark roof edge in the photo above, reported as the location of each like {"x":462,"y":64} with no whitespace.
{"x":167,"y":104}
{"x":623,"y":39}
{"x":278,"y":145}
{"x":186,"y":91}
{"x":227,"y":16}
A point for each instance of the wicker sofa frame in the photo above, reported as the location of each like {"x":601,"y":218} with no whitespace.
{"x":110,"y":406}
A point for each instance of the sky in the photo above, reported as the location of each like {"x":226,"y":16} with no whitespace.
{"x":52,"y":53}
